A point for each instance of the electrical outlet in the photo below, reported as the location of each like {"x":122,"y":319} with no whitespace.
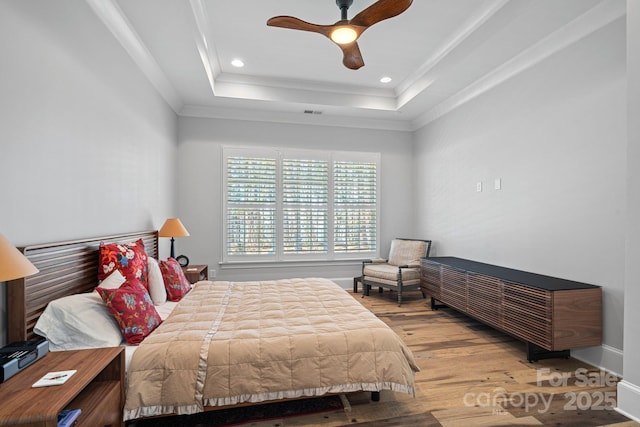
{"x":479,"y":186}
{"x":212,"y":273}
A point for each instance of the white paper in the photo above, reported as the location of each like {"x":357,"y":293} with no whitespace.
{"x":54,"y":378}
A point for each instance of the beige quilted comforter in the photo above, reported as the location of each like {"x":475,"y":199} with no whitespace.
{"x":233,"y":342}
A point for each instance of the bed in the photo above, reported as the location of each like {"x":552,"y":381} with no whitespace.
{"x":229,"y":343}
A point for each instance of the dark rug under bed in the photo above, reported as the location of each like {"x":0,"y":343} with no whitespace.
{"x":233,"y":416}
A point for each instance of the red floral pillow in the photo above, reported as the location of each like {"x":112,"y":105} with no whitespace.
{"x":175,"y":282}
{"x":130,"y":259}
{"x":132,"y":307}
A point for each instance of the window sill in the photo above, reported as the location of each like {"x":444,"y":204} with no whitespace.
{"x":230,"y":265}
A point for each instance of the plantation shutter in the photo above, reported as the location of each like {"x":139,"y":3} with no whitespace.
{"x":355,"y":207}
{"x":251,"y":206}
{"x":305,"y":199}
{"x":294,"y":205}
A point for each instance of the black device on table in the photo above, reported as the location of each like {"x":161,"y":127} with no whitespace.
{"x":20,"y":354}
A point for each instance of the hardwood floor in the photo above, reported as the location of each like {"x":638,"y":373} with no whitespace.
{"x":472,"y":375}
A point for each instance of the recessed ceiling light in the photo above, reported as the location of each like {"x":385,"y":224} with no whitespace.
{"x":385,"y":80}
{"x":237,"y":63}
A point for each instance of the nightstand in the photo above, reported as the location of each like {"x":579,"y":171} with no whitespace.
{"x":97,"y":388}
{"x":196,"y":272}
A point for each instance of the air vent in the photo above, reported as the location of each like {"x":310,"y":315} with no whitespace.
{"x":312,"y":112}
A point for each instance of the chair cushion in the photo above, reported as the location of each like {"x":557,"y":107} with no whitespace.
{"x":389,"y":273}
{"x":407,"y":252}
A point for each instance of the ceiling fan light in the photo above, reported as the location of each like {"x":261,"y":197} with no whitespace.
{"x":344,"y":35}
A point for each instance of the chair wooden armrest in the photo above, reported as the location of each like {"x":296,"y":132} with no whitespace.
{"x":409,"y":266}
{"x":375,"y":261}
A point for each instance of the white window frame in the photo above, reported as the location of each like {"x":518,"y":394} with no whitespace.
{"x":279,"y":154}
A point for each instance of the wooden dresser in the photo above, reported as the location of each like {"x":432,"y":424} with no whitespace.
{"x":551,"y":315}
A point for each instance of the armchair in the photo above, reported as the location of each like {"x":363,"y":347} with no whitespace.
{"x":400,"y":272}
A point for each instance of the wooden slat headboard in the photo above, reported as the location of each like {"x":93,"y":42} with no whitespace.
{"x":66,"y":268}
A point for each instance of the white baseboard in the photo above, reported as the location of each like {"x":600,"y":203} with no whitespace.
{"x":344,"y":282}
{"x":629,"y":400}
{"x":603,"y":357}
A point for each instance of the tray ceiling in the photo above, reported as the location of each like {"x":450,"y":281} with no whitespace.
{"x":439,"y":54}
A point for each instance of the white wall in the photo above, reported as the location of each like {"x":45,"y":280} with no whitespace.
{"x":556,"y":137}
{"x":87,"y":146}
{"x":629,"y":388}
{"x":200,"y":195}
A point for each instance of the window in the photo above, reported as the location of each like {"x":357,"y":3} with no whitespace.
{"x":305,"y":206}
{"x":355,"y":203}
{"x":251,"y":206}
{"x":283,"y":205}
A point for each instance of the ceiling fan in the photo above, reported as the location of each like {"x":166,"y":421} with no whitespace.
{"x":346,"y":31}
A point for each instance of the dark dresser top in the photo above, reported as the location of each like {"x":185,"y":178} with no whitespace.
{"x":508,"y":274}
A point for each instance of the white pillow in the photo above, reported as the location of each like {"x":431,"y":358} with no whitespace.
{"x":113,"y":280}
{"x":157,"y":291}
{"x":78,"y":321}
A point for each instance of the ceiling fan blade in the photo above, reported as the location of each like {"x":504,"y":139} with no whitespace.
{"x":352,"y":57}
{"x":298,"y":24}
{"x":379,"y":11}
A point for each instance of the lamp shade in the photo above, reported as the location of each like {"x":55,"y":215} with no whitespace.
{"x":13,"y":264}
{"x":173,"y":227}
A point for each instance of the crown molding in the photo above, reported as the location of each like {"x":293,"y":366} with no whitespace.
{"x":604,"y":13}
{"x":205,"y":45}
{"x":419,"y":80}
{"x":256,"y":115}
{"x":304,"y":93}
{"x":114,"y":19}
{"x":314,"y":86}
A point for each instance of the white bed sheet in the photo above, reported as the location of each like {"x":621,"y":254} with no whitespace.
{"x":164,"y":310}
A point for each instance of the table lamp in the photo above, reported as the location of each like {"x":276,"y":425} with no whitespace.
{"x":173,"y":228}
{"x":13,"y":264}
